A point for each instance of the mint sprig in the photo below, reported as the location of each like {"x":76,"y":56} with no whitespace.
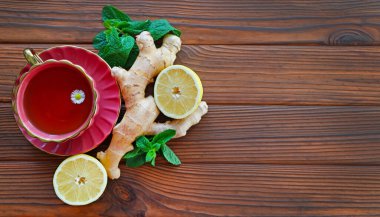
{"x":146,"y":150}
{"x":117,"y":45}
{"x":170,"y":155}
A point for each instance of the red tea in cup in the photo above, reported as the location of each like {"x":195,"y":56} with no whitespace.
{"x":48,"y":104}
{"x":56,"y":100}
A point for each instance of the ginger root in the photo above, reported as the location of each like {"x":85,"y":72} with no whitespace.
{"x":141,"y":111}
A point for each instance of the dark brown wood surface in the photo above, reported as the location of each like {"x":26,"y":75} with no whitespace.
{"x":293,"y":127}
{"x":203,"y":22}
{"x":260,"y":75}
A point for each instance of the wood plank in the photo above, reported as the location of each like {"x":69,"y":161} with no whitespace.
{"x":202,"y":190}
{"x":252,"y":134}
{"x":260,"y":75}
{"x":202,"y":22}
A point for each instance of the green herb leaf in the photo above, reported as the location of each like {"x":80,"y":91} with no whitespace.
{"x":111,"y":23}
{"x":134,"y":27}
{"x":126,"y":29}
{"x":110,"y":12}
{"x":136,"y":161}
{"x":134,"y":153}
{"x":146,"y":150}
{"x":164,"y":136}
{"x":142,"y":142}
{"x":100,"y":40}
{"x":117,"y":49}
{"x":150,"y":155}
{"x":156,"y":146}
{"x":132,"y":56}
{"x":170,"y":155}
{"x":159,"y":28}
{"x":112,"y":37}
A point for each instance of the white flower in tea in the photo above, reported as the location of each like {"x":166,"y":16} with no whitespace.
{"x":77,"y":96}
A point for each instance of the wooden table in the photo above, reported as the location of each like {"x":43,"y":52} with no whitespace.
{"x":293,"y":127}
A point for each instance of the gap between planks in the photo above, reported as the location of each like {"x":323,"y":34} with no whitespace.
{"x":253,"y":135}
{"x":261,"y":75}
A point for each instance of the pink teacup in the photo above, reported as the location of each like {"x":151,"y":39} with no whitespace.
{"x":55,"y":100}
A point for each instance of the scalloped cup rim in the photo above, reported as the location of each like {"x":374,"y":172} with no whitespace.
{"x":107,"y":111}
{"x":46,"y":137}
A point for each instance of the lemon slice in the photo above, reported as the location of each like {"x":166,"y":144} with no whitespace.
{"x":80,"y":180}
{"x":177,"y":91}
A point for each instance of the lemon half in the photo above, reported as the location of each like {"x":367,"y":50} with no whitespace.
{"x":177,"y":91}
{"x":80,"y":180}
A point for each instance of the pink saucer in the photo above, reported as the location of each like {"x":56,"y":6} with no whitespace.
{"x":109,"y":101}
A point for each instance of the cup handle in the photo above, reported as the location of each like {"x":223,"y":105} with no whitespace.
{"x":32,"y":57}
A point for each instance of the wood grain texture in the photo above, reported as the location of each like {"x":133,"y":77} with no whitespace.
{"x":201,"y":190}
{"x":291,"y":130}
{"x":335,"y":22}
{"x":252,"y":135}
{"x":260,"y":75}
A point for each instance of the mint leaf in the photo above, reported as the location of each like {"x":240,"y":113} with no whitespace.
{"x":135,"y":161}
{"x":117,"y":49}
{"x":164,"y":136}
{"x":156,"y":146}
{"x":134,"y":153}
{"x":111,"y":23}
{"x":112,"y":37}
{"x":150,"y":155}
{"x":159,"y":28}
{"x":132,"y":56}
{"x":134,"y":27}
{"x":146,"y":151}
{"x":170,"y":155}
{"x":142,"y":142}
{"x":126,"y":30}
{"x":100,"y":40}
{"x":110,"y":12}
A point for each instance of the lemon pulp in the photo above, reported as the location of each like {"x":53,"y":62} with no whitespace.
{"x":177,"y":91}
{"x":80,"y":180}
